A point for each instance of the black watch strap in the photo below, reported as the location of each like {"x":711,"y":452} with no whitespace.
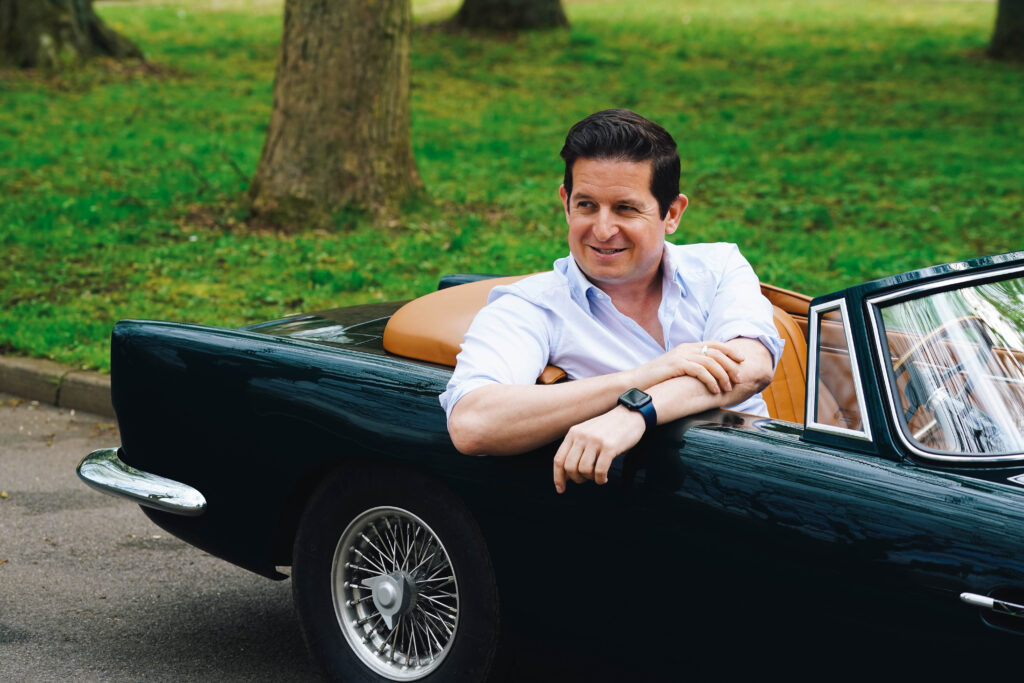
{"x":641,"y":402}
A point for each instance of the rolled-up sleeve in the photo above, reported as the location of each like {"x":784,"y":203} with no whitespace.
{"x":508,"y":342}
{"x":740,"y":310}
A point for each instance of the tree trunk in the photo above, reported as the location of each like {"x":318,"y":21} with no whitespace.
{"x":53,"y":32}
{"x":1008,"y":37}
{"x":511,"y":15}
{"x":340,"y":130}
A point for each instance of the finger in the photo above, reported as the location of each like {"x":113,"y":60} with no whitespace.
{"x":730,"y":351}
{"x":559,"y":466}
{"x":729,"y":357}
{"x":731,"y":366}
{"x":699,"y":372}
{"x":572,"y":462}
{"x":588,"y":459}
{"x":575,"y":476}
{"x":713,"y":363}
{"x":602,"y":466}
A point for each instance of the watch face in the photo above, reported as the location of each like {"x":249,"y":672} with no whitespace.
{"x":634,"y":398}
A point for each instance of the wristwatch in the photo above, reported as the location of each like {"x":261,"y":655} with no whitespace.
{"x":640,"y":401}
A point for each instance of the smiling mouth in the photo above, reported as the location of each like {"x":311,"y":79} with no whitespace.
{"x":608,"y":252}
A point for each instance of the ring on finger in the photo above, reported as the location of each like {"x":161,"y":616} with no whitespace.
{"x":704,"y":350}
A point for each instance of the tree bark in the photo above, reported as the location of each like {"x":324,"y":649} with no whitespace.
{"x":511,"y":15}
{"x":340,"y":130}
{"x":1008,"y":37}
{"x":50,"y":33}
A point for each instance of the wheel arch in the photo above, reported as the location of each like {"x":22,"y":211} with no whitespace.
{"x":320,"y":473}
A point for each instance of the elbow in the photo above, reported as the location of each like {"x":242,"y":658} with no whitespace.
{"x":763,"y":379}
{"x":757,"y":370}
{"x":757,"y":377}
{"x":466,"y":433}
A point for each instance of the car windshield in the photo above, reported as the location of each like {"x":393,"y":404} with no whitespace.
{"x":958,"y":362}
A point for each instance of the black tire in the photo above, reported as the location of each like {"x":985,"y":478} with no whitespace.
{"x":352,"y":500}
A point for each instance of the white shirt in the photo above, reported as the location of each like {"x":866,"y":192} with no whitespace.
{"x":709,"y":292}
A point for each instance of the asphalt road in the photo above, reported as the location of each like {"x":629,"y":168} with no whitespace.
{"x":90,"y":589}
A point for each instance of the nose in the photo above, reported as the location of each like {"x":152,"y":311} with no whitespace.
{"x":604,"y":226}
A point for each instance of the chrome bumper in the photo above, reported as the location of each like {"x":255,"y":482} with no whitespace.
{"x":105,"y":471}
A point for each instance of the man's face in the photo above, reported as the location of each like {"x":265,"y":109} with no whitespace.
{"x":616,"y":231}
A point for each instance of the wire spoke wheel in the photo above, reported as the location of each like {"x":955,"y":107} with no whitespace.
{"x":393,"y":580}
{"x":395,"y":593}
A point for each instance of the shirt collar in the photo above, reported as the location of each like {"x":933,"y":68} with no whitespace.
{"x":580,"y":288}
{"x":671,"y":270}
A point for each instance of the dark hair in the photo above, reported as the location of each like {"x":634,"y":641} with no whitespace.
{"x":623,"y":135}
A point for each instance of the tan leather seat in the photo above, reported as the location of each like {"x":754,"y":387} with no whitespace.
{"x":431,"y":328}
{"x":796,"y":304}
{"x":786,"y":395}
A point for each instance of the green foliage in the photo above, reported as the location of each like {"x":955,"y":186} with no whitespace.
{"x":834,"y":141}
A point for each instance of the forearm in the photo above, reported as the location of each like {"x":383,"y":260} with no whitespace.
{"x":681,"y":396}
{"x":502,"y":419}
{"x":589,"y":448}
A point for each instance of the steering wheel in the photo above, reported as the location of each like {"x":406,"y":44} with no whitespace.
{"x":965,"y":425}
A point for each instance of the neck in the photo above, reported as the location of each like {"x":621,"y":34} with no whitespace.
{"x":642,"y":305}
{"x":639,"y":301}
{"x":635,"y":294}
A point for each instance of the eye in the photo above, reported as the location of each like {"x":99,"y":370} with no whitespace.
{"x":627,"y":207}
{"x":584,"y":204}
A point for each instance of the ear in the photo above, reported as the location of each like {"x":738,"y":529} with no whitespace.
{"x":675,"y":212}
{"x":565,"y":200}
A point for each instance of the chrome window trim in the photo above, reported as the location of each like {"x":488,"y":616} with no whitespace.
{"x":875,"y":313}
{"x":810,"y":410}
{"x":992,"y":275}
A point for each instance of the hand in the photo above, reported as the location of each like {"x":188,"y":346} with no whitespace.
{"x":588,"y":449}
{"x":713,"y":363}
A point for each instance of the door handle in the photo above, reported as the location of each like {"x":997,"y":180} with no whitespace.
{"x":998,"y":606}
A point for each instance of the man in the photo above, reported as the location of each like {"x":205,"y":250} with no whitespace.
{"x":626,"y":316}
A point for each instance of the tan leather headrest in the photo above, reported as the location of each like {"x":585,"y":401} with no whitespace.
{"x":789,"y":301}
{"x":431,"y":327}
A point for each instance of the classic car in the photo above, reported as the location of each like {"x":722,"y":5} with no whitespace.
{"x":878,"y":511}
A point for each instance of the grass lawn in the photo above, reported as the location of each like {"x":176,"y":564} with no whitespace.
{"x":835,"y":141}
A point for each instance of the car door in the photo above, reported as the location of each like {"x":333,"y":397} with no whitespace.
{"x":763,"y":538}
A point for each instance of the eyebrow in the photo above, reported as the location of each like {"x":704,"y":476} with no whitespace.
{"x":636,"y":201}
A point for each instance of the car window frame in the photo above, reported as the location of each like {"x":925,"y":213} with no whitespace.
{"x":884,"y":369}
{"x":815,"y":314}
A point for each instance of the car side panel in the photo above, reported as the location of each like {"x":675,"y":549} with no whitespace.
{"x":254,"y":422}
